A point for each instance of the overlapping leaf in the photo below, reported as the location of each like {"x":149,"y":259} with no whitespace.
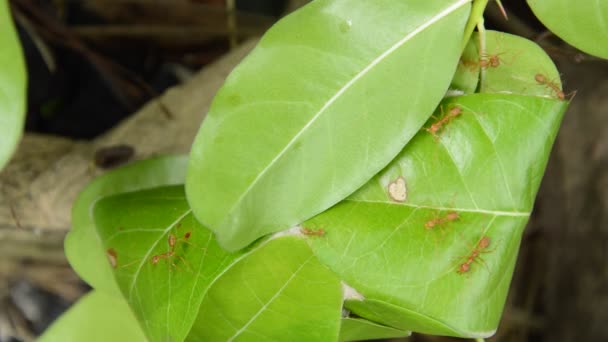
{"x":470,"y":187}
{"x":280,"y":292}
{"x":83,"y":247}
{"x":163,"y":259}
{"x":180,"y":283}
{"x":331,"y":94}
{"x":430,"y":242}
{"x":12,"y":86}
{"x":582,"y":23}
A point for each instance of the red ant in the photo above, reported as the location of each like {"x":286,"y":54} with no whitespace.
{"x":483,"y":243}
{"x":450,"y":216}
{"x":486,"y":61}
{"x":444,"y":120}
{"x":311,"y":232}
{"x":542,"y":80}
{"x":172,"y":240}
{"x":492,"y":61}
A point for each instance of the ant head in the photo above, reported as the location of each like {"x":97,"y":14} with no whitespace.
{"x":171,"y":240}
{"x":452,"y":215}
{"x":155,"y":259}
{"x":484,"y":242}
{"x":464,"y":268}
{"x":456,"y":110}
{"x":187,"y":235}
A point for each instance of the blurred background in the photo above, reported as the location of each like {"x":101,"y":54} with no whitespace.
{"x":112,"y":81}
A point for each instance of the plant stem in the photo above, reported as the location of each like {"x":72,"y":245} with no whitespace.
{"x":477,"y":10}
{"x":231,"y":9}
{"x":480,"y":340}
{"x":482,"y":52}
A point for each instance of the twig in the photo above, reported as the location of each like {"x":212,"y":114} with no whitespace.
{"x":232,"y":30}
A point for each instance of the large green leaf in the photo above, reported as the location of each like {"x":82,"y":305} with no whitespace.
{"x":96,"y":317}
{"x":280,"y":292}
{"x":582,"y":23}
{"x":12,"y":86}
{"x":401,"y":239}
{"x":277,"y":288}
{"x":331,"y":94}
{"x":82,"y":244}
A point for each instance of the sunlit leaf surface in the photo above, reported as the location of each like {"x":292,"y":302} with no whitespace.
{"x":180,"y":283}
{"x":280,"y":292}
{"x":440,"y":260}
{"x":163,"y":259}
{"x":12,"y":86}
{"x":330,"y":95}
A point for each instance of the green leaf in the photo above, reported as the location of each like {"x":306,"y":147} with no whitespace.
{"x":136,"y":229}
{"x":466,"y":78}
{"x":197,"y":289}
{"x":330,"y":95}
{"x":512,"y":66}
{"x":12,"y":86}
{"x":82,"y":245}
{"x":582,"y":23}
{"x":279,"y":292}
{"x":401,"y":239}
{"x":95,"y":317}
{"x":357,"y":329}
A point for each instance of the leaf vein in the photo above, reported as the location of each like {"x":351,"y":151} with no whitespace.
{"x":275,"y":296}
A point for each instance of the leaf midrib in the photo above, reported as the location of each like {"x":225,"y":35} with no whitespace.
{"x":465,"y":210}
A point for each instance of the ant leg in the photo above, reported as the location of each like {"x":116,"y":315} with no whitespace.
{"x":480,"y":261}
{"x":129,"y":264}
{"x":188,"y":268}
{"x":186,"y":241}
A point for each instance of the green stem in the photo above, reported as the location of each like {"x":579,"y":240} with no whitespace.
{"x":480,"y":340}
{"x":477,"y":10}
{"x":482,"y":53}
